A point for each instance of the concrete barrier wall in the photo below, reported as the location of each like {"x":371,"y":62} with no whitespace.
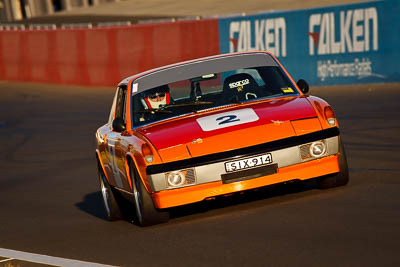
{"x":102,"y":56}
{"x":347,"y":44}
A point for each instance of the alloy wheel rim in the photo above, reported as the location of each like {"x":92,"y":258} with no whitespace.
{"x":106,"y":194}
{"x":136,"y":195}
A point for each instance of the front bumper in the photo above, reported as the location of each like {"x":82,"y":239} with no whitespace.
{"x":209,"y":182}
{"x":303,"y":171}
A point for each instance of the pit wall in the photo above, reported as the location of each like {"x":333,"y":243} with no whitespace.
{"x":347,"y":44}
{"x":102,"y":56}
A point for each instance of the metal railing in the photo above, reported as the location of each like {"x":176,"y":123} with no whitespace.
{"x":42,"y":27}
{"x":12,"y":27}
{"x":114,"y":24}
{"x":88,"y":25}
{"x":149,"y":21}
{"x":76,"y":26}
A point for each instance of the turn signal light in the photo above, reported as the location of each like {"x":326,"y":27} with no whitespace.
{"x":330,"y":116}
{"x":147,"y":153}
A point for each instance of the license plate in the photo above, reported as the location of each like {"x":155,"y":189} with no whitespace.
{"x":248,"y":163}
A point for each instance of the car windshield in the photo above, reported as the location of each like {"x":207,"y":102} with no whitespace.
{"x":209,"y":91}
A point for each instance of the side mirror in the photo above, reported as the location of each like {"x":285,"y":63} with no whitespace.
{"x":118,"y":125}
{"x":303,"y":85}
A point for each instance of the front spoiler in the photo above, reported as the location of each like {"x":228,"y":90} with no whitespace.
{"x":196,"y":193}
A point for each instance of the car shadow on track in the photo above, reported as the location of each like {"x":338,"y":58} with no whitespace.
{"x":245,"y":199}
{"x":92,"y":203}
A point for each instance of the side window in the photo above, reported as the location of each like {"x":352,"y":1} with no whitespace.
{"x":112,"y":111}
{"x":276,"y":78}
{"x":120,"y":103}
{"x":256,"y":76}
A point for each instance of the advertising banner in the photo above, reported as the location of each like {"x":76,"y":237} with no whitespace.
{"x":345,"y":44}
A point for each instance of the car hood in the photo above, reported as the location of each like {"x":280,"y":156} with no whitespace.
{"x":228,"y":129}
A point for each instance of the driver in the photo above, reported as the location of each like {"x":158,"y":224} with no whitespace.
{"x":156,"y":97}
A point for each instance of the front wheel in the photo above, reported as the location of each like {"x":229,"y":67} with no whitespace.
{"x":338,"y":179}
{"x":146,"y":213}
{"x":110,"y":204}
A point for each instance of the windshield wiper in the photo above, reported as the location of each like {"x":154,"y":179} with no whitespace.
{"x":194,"y":103}
{"x":152,"y":111}
{"x":234,"y":100}
{"x":164,"y":108}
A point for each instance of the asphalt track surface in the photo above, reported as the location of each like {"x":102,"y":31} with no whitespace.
{"x":50,"y":202}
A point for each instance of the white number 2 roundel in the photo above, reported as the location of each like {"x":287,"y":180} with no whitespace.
{"x":227,"y":119}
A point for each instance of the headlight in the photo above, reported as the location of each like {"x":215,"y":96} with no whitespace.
{"x":313,"y":150}
{"x":180,"y":178}
{"x":176,"y":178}
{"x":317,"y":149}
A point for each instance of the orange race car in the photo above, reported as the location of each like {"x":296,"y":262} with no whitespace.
{"x":212,"y":126}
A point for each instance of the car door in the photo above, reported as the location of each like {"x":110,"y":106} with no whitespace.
{"x":115,"y":151}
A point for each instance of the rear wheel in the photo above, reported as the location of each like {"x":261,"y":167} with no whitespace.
{"x":110,"y":204}
{"x":338,"y":179}
{"x":146,"y":213}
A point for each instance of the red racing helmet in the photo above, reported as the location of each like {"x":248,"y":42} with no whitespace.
{"x":155,"y":97}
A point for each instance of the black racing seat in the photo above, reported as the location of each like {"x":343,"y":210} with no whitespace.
{"x":241,"y":87}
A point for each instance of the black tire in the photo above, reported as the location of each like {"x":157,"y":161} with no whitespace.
{"x":338,"y":179}
{"x":113,"y":211}
{"x":146,"y":213}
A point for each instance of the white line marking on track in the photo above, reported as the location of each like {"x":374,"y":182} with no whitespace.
{"x":6,"y":260}
{"x":38,"y":258}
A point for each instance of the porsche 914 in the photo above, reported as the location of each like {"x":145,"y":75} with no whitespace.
{"x":210,"y":127}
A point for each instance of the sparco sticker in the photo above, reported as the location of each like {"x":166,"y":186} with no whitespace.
{"x":239,"y":83}
{"x":227,"y":119}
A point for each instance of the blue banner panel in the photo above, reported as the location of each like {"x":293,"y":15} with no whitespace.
{"x":345,"y":44}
